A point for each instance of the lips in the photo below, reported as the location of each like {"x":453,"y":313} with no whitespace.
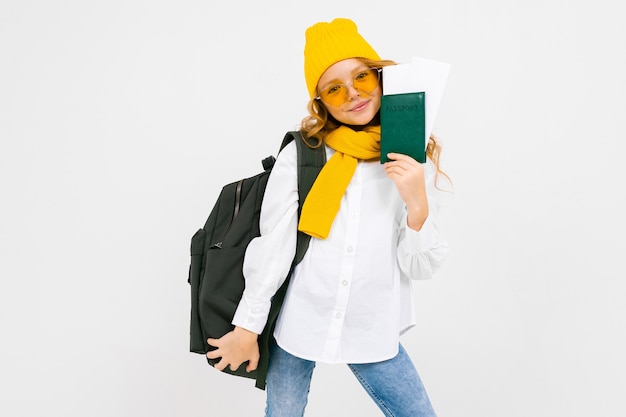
{"x":360,"y":106}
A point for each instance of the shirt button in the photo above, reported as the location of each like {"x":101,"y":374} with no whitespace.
{"x":338,"y":315}
{"x":250,"y":320}
{"x":344,"y":282}
{"x":353,"y":214}
{"x":349,"y":250}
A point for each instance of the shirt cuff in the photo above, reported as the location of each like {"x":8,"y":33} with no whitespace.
{"x":251,"y":315}
{"x":422,"y":240}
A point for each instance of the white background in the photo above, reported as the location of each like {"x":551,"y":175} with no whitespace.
{"x":121,"y":120}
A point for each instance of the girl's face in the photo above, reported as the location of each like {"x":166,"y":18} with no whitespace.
{"x":355,"y":107}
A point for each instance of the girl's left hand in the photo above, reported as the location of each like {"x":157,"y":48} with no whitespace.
{"x":408,"y":175}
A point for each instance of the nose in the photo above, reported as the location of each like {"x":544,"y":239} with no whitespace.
{"x":352,"y":92}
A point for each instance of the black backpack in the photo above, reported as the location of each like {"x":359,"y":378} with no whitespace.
{"x":218,"y":249}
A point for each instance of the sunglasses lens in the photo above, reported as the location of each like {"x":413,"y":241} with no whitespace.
{"x":364,"y":82}
{"x":335,"y":95}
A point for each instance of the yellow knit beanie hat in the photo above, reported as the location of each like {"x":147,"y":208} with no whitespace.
{"x":327,"y":43}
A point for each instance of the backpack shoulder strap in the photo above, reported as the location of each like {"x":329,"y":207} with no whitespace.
{"x":310,"y":162}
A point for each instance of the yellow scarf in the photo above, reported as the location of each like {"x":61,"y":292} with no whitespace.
{"x":323,"y":201}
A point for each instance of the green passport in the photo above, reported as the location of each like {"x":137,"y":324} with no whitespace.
{"x":403,"y":125}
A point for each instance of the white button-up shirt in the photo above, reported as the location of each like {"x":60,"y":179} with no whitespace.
{"x":350,"y":298}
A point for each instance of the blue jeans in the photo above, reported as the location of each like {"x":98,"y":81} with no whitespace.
{"x":394,"y":385}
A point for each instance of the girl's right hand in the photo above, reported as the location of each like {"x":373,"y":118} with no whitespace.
{"x":235,"y":348}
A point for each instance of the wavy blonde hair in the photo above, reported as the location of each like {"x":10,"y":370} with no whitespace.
{"x":319,"y":123}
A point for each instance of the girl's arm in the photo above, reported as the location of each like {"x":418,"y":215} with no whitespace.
{"x":266,"y":264}
{"x":421,"y":250}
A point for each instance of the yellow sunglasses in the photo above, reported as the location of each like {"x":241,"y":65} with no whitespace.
{"x":364,"y":82}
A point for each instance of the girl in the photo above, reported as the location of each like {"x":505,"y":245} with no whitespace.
{"x":375,"y":230}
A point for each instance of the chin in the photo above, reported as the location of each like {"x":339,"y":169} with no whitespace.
{"x":361,"y":120}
